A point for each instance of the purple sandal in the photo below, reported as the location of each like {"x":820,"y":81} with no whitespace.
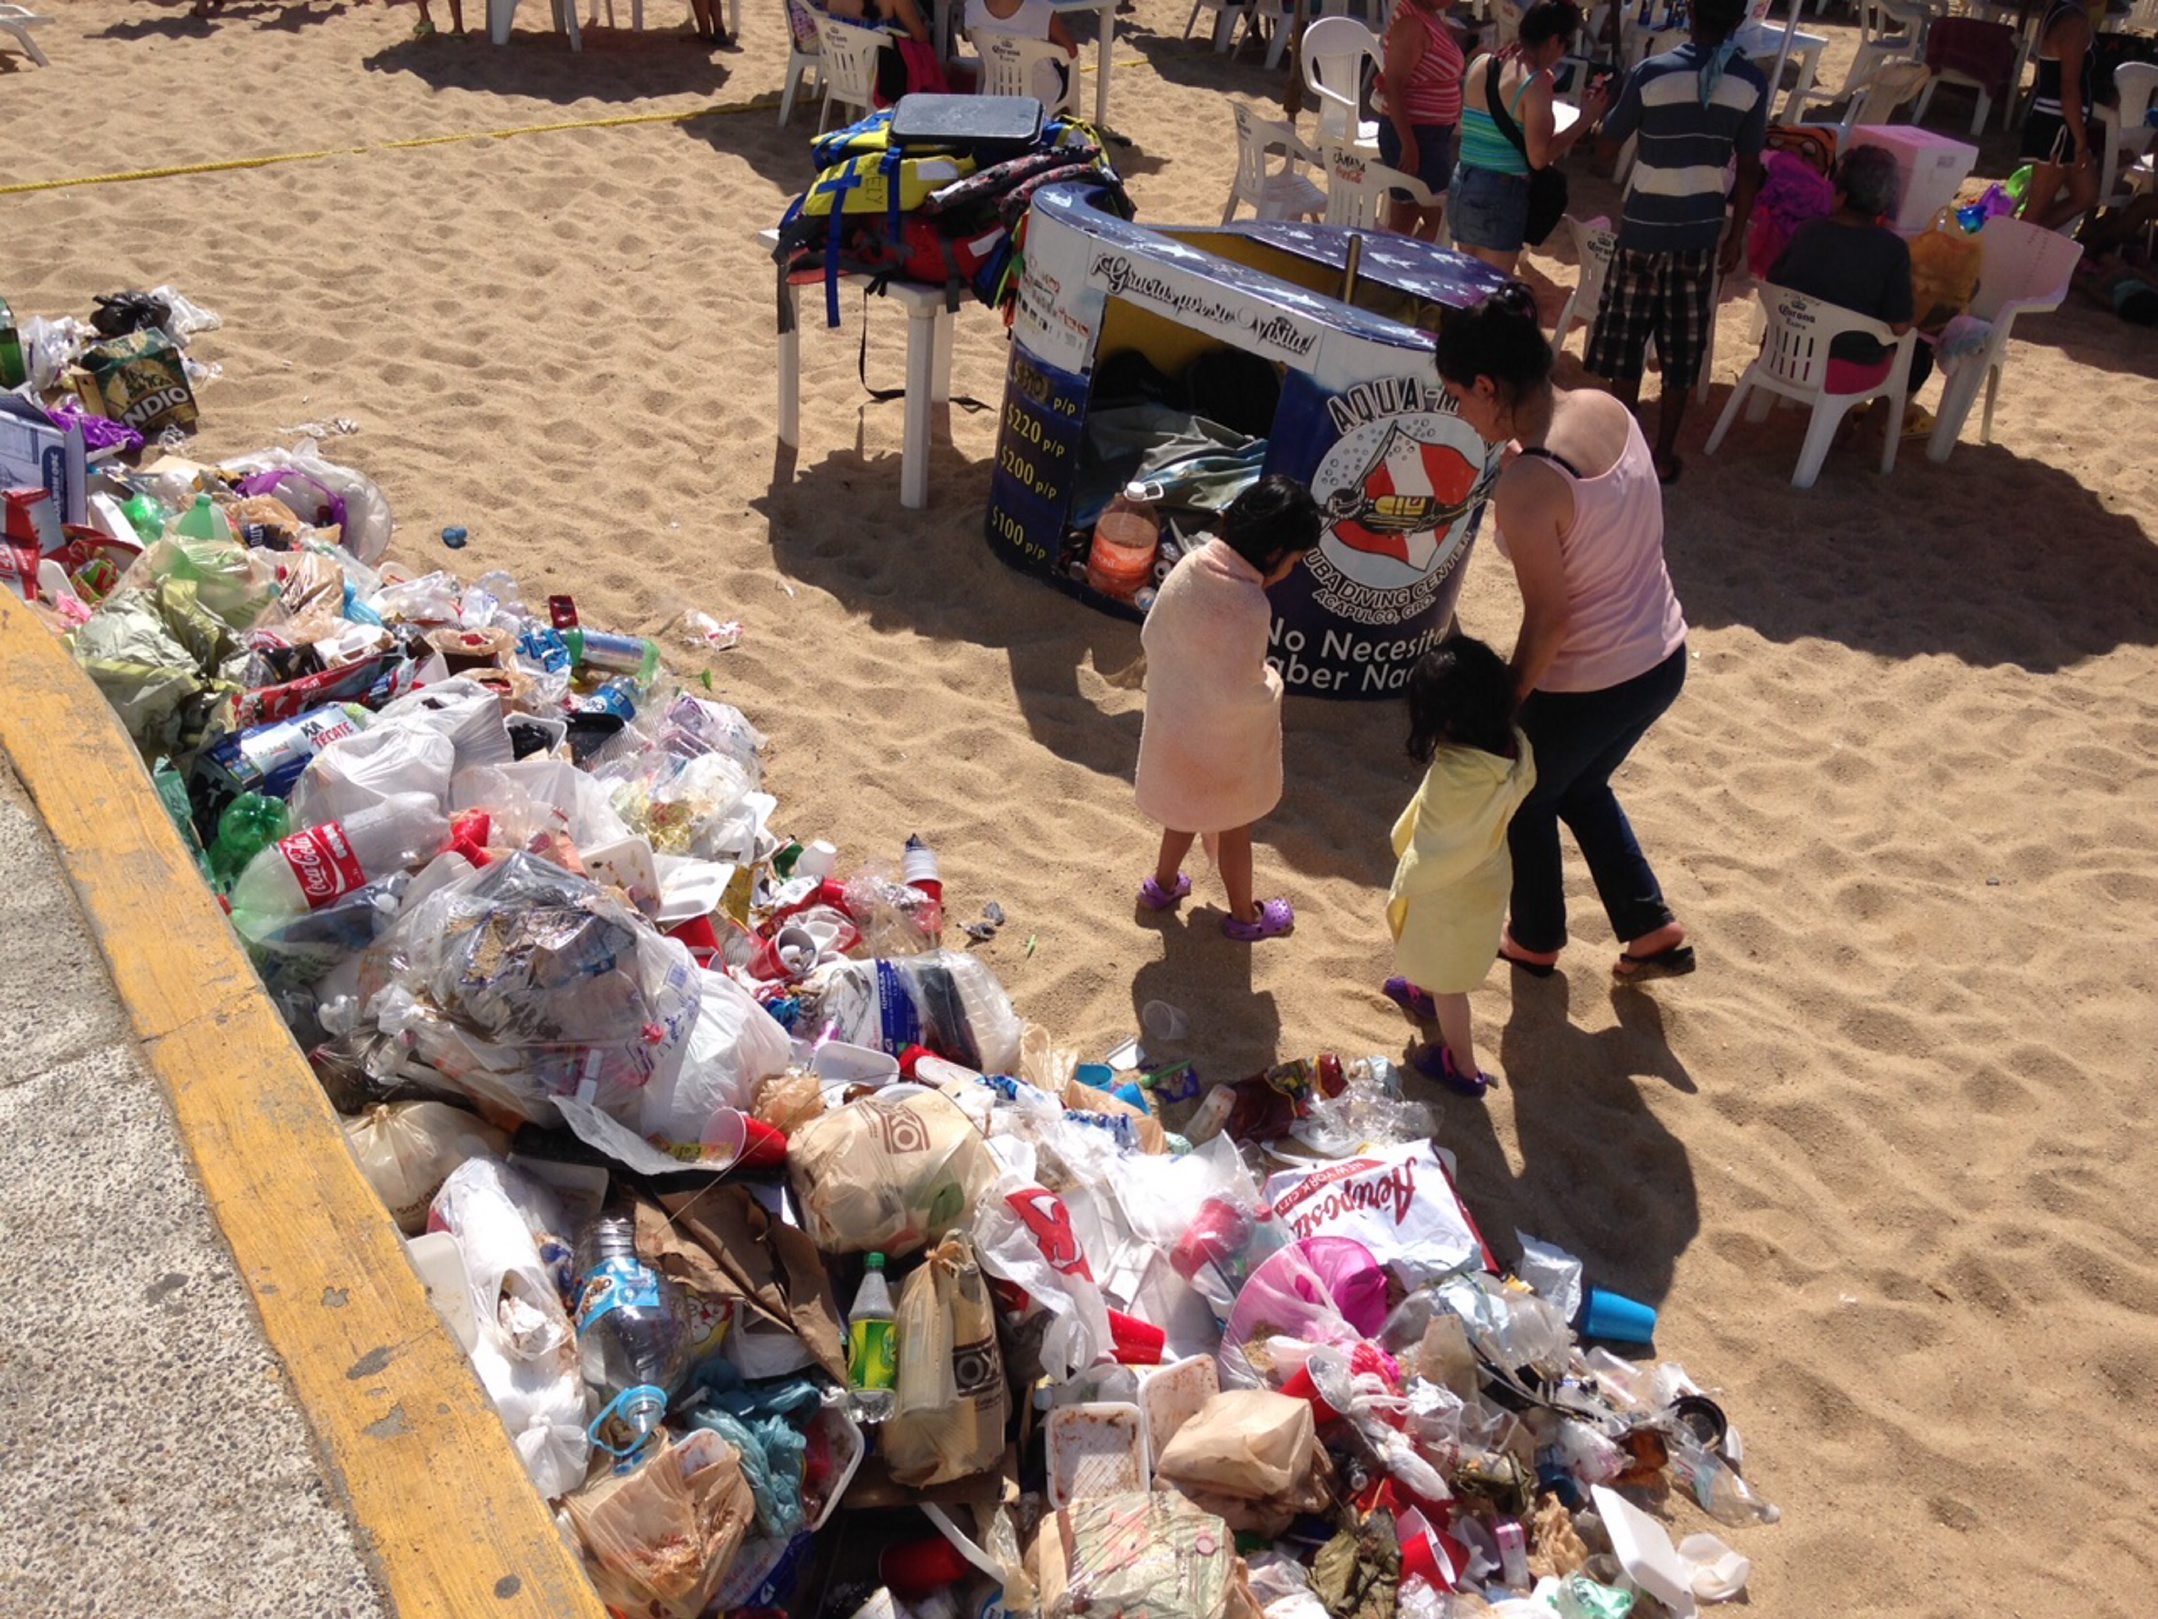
{"x":1416,"y":1002}
{"x":1275,"y":919}
{"x":1435,"y":1062}
{"x":1157,"y":898}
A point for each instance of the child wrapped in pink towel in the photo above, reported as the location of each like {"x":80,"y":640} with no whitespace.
{"x":1210,"y":747}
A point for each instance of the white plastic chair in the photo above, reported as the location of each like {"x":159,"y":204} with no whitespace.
{"x":1227,"y":14}
{"x":1281,"y":193}
{"x":636,"y":15}
{"x":2022,"y":270}
{"x":805,"y":56}
{"x":1886,"y":29}
{"x":1357,"y":184}
{"x":1794,"y":364}
{"x":1982,"y":91}
{"x":1893,"y":85}
{"x":1014,"y":65}
{"x":1595,"y":245}
{"x":2126,"y":127}
{"x":502,"y":13}
{"x":1335,"y":51}
{"x":19,"y":20}
{"x":849,"y":69}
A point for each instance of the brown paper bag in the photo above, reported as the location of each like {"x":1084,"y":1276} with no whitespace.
{"x":953,"y":1403}
{"x":1249,"y":1455}
{"x":721,"y":1244}
{"x":658,"y":1541}
{"x":888,"y":1174}
{"x":1245,"y":1442}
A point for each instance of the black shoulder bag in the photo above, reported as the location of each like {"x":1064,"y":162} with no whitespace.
{"x":1547,"y":186}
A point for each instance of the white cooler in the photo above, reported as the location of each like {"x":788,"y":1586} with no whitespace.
{"x":1933,"y":169}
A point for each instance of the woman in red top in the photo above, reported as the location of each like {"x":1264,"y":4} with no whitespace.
{"x":1419,"y":103}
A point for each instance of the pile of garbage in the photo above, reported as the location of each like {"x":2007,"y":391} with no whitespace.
{"x":754,"y":1201}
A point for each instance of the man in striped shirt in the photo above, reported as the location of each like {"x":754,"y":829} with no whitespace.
{"x":1695,"y":109}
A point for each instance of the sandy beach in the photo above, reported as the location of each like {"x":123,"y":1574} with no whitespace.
{"x":1883,"y":1161}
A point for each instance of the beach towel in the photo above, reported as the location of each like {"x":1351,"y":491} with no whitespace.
{"x":1448,"y":901}
{"x":1210,"y":745}
{"x":1792,"y":194}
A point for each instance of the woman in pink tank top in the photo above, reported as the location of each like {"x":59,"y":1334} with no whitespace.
{"x":1419,"y":106}
{"x":1602,"y":648}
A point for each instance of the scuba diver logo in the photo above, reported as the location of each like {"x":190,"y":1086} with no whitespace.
{"x":1395,"y":491}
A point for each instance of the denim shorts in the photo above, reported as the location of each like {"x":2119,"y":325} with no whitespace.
{"x":1434,"y":155}
{"x":1489,"y":209}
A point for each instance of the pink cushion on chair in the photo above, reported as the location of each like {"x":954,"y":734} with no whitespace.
{"x":1855,"y":377}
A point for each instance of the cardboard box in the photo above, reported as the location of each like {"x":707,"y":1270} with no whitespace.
{"x":1932,"y":168}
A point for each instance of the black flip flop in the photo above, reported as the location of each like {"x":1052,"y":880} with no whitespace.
{"x":1535,"y":969}
{"x":1673,"y":961}
{"x":1672,"y":477}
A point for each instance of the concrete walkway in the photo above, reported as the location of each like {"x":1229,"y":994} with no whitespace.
{"x":152,"y":1460}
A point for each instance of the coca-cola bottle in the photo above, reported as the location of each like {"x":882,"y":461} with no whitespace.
{"x":314,"y":868}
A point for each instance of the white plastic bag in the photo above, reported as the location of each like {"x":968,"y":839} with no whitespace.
{"x":1399,"y":1202}
{"x":185,"y":317}
{"x":367,"y":510}
{"x":1023,"y":1235}
{"x":408,"y":1149}
{"x":463,"y":710}
{"x":340,"y":781}
{"x":734,"y":1047}
{"x":535,"y":796}
{"x":526,"y":1356}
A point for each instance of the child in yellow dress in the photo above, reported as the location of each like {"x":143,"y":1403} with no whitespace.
{"x":1448,"y":902}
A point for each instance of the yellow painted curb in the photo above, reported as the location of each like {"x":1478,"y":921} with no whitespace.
{"x":440,"y":1500}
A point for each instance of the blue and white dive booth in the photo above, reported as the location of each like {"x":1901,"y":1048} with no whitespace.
{"x":1362,"y":420}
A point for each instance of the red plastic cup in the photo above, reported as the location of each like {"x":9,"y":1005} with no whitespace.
{"x":916,"y":1568}
{"x":763,"y":1147}
{"x":701,"y":937}
{"x":1301,"y":1387}
{"x":1219,"y":1232}
{"x":1138,"y":1343}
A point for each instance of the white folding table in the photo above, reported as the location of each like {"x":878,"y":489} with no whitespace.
{"x":929,"y":374}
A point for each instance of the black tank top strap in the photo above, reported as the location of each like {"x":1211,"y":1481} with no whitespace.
{"x":1554,"y":457}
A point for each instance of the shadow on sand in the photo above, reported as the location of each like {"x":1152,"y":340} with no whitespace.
{"x":616,"y":64}
{"x":1600,"y":1174}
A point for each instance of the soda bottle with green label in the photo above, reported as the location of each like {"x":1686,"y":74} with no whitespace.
{"x":873,"y":1345}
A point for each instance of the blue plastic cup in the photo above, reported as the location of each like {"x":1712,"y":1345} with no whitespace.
{"x":1617,"y":1318}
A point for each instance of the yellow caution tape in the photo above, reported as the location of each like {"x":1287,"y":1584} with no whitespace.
{"x":720,"y":110}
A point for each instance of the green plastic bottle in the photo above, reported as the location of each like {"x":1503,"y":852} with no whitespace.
{"x":147,"y":516}
{"x":873,"y":1345}
{"x":13,"y":371}
{"x":203,"y":521}
{"x":249,"y":825}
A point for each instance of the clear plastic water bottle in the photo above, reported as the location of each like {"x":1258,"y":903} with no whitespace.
{"x":632,"y":1334}
{"x":873,"y":1345}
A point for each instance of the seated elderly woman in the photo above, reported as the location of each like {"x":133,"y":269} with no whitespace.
{"x":1852,"y":260}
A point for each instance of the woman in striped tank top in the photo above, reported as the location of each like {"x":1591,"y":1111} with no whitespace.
{"x":2057,"y":133}
{"x":1419,"y":103}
